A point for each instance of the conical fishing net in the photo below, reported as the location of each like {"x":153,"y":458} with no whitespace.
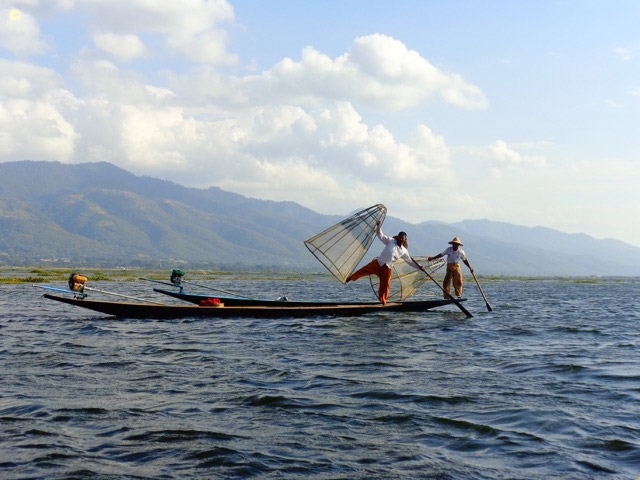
{"x":341,"y":247}
{"x":405,"y":279}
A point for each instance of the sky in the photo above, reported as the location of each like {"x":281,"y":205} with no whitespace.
{"x":521,"y":112}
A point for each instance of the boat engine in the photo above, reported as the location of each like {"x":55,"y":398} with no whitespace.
{"x":77,"y":282}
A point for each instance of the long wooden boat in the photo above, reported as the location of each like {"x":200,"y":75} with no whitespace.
{"x":145,"y":310}
{"x":242,"y":302}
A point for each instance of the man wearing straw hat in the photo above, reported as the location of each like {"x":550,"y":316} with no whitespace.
{"x":454,"y":273}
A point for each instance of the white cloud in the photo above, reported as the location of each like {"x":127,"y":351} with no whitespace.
{"x":390,"y":70}
{"x":208,"y":47}
{"x":283,"y":134}
{"x":21,"y":36}
{"x":349,"y":128}
{"x":122,"y":47}
{"x":378,"y":71}
{"x":505,"y":156}
{"x":103,"y":78}
{"x":25,"y":80}
{"x":188,"y":28}
{"x":36,"y":114}
{"x":293,"y":132}
{"x":35,"y":130}
{"x":128,"y":29}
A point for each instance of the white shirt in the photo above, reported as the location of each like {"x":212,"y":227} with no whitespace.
{"x":454,"y":256}
{"x":392,"y":252}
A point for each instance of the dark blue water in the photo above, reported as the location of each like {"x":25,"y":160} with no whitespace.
{"x":546,"y":386}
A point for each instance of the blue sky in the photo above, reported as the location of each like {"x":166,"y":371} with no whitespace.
{"x":521,"y":112}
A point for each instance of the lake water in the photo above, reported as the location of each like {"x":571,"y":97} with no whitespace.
{"x":546,"y":386}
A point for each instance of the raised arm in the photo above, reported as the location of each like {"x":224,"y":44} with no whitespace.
{"x":379,"y":231}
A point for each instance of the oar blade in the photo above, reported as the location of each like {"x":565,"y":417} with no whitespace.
{"x":482,"y":292}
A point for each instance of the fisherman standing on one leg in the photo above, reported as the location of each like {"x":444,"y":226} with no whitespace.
{"x":454,"y":255}
{"x":395,"y":249}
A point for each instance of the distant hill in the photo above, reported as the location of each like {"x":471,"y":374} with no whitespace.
{"x":96,"y":214}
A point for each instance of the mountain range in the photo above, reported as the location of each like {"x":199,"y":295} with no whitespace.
{"x":97,"y":214}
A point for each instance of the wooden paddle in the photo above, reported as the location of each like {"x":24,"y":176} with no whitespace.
{"x":46,"y":287}
{"x":458,"y":304}
{"x":482,"y":293}
{"x":197,"y":285}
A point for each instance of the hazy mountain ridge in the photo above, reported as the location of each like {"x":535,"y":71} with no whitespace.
{"x":96,"y":213}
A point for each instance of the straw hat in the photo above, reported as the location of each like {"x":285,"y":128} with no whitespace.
{"x":456,"y":240}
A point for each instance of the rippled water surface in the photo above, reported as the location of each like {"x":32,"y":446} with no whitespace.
{"x":547,"y":385}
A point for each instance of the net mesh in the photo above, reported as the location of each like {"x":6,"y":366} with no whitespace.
{"x":341,"y":247}
{"x":405,"y":279}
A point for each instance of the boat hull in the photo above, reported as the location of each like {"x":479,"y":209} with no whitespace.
{"x":157,"y":311}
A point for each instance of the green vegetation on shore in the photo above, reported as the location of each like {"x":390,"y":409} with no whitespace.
{"x":14,"y":275}
{"x":19,"y":275}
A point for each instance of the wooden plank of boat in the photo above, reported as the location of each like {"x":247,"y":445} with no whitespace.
{"x":156,"y":311}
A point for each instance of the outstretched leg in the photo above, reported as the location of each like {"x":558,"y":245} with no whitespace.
{"x":370,"y":268}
